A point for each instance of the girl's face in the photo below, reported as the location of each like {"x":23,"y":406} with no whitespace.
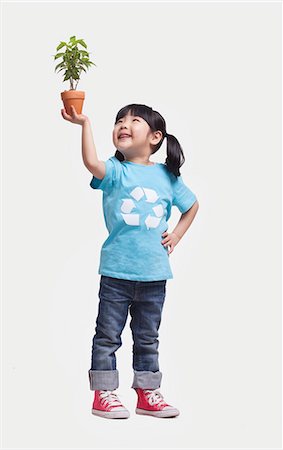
{"x":133,"y":136}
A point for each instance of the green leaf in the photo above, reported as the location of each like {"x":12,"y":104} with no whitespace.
{"x":63,"y":68}
{"x":80,"y":41}
{"x":59,"y":55}
{"x":60,"y":65}
{"x":62,"y":44}
{"x":81,"y":65}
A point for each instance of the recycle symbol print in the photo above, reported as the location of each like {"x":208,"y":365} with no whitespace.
{"x":147,"y":195}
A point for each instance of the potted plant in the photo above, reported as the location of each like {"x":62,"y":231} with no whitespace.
{"x":74,"y":61}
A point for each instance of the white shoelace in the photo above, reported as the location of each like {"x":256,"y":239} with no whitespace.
{"x":109,"y":397}
{"x":154,"y":397}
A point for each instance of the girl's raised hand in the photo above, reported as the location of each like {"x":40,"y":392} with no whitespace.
{"x":74,"y":117}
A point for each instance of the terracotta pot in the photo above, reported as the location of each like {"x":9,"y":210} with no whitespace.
{"x":75,"y":98}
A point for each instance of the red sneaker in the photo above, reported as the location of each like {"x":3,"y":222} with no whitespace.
{"x":151,"y":403}
{"x":107,"y":404}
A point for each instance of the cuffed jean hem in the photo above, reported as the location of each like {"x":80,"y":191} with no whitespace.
{"x":103,"y":379}
{"x":145,"y":379}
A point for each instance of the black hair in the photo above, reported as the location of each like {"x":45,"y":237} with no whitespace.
{"x":175,"y":156}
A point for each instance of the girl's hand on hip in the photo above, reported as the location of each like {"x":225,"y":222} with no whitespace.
{"x":74,"y":117}
{"x":170,"y":240}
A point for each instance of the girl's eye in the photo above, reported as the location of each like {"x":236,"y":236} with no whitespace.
{"x":133,"y":120}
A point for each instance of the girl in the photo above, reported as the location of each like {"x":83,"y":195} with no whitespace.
{"x":134,"y":260}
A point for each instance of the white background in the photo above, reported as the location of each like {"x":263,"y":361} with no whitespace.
{"x":213,"y":70}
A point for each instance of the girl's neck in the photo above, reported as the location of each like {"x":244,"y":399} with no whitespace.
{"x":142,"y":163}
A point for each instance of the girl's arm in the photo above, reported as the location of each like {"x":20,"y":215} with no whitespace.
{"x":185,"y":221}
{"x":90,"y":159}
{"x":172,"y":239}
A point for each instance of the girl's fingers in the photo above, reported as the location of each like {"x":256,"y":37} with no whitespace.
{"x":73,"y":111}
{"x":64,"y":113}
{"x":66,"y":116}
{"x":171,"y":248}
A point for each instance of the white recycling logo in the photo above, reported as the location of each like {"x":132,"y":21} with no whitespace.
{"x":150,"y":196}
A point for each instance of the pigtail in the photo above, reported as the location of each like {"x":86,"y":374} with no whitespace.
{"x":175,"y":156}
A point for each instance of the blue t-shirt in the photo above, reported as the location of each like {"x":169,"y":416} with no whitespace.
{"x":137,"y":202}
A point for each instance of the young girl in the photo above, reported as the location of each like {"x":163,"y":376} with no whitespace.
{"x":134,"y":262}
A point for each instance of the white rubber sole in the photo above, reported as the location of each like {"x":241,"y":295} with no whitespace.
{"x":165,"y":413}
{"x":111,"y":414}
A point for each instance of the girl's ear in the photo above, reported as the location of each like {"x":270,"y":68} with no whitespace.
{"x":157,"y":135}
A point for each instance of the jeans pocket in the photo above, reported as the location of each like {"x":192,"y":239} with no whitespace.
{"x":114,"y":289}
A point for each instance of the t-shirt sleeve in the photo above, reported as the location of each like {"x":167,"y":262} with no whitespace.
{"x":183,"y":197}
{"x":112,"y":169}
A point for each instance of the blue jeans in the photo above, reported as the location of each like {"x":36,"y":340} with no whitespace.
{"x":145,"y":301}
